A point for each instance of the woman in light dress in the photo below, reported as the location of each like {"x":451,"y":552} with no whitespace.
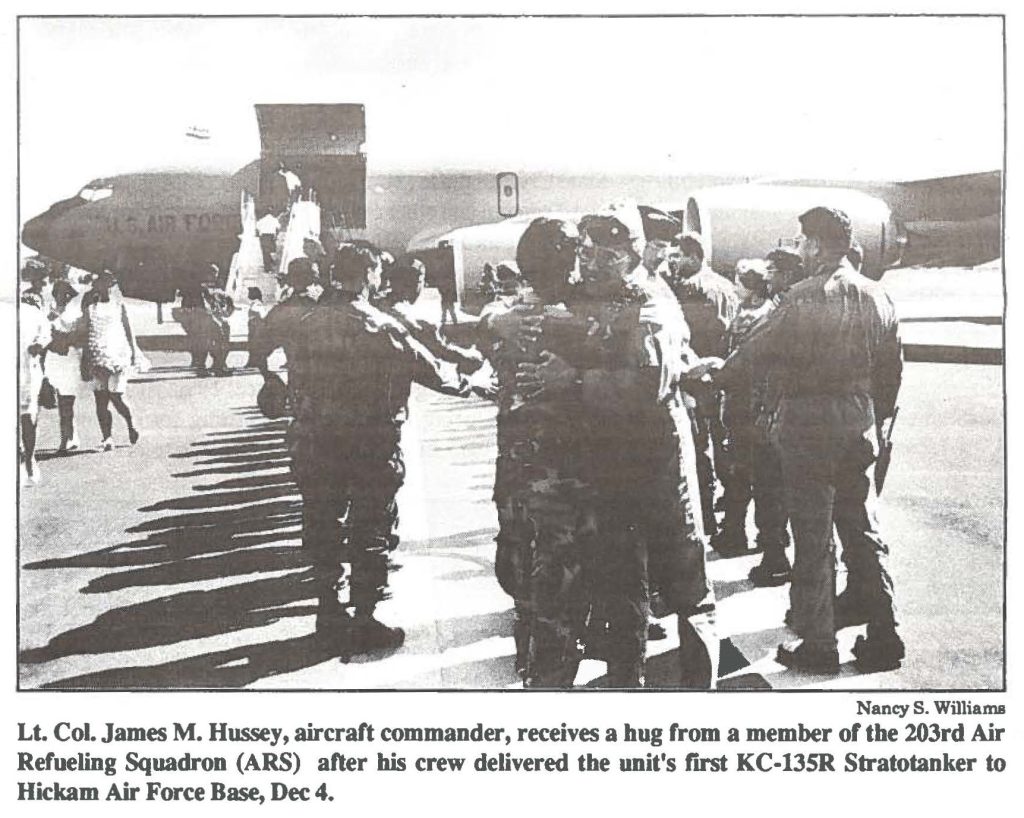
{"x":64,"y":360}
{"x":109,"y":354}
{"x":33,"y":335}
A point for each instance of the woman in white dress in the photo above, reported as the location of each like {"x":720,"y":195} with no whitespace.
{"x":64,"y":360}
{"x":34,"y":335}
{"x":109,"y":354}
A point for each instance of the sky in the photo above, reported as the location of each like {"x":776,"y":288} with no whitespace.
{"x":843,"y":98}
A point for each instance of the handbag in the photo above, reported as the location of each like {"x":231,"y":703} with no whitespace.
{"x":47,"y":395}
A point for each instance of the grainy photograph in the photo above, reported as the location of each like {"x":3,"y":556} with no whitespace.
{"x":507,"y":353}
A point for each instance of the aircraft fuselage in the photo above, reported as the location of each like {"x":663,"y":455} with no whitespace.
{"x":157,"y":229}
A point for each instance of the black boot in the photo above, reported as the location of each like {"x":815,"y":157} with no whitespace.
{"x":730,"y":542}
{"x":879,"y":651}
{"x":626,"y":675}
{"x":334,"y":631}
{"x":371,"y":635}
{"x":799,"y":656}
{"x":771,"y":571}
{"x":656,"y":631}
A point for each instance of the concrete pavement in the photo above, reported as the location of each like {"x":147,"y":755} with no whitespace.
{"x":176,"y":563}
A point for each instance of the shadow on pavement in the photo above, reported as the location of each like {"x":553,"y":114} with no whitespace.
{"x":245,"y":528}
{"x":235,"y":667}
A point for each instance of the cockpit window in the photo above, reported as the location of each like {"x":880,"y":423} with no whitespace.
{"x":94,"y":191}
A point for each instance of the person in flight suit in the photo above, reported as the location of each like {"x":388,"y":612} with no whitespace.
{"x":283,"y":326}
{"x":545,"y":508}
{"x":639,"y":455}
{"x":709,"y":305}
{"x":406,"y":280}
{"x":345,"y":445}
{"x":756,"y":472}
{"x":835,"y":344}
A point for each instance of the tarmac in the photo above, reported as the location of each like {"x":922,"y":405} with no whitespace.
{"x":176,"y":563}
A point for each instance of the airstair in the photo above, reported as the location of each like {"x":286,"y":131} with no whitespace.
{"x":299,"y":236}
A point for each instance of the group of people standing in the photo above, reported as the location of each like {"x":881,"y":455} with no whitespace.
{"x":776,"y":385}
{"x":203,"y":313}
{"x":351,"y":363}
{"x":610,"y":361}
{"x":630,"y":379}
{"x":75,"y":338}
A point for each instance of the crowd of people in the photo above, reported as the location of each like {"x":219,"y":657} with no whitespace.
{"x":641,"y":396}
{"x":644,"y":401}
{"x":203,"y":313}
{"x":75,"y":339}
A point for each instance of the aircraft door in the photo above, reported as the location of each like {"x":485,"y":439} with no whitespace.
{"x":322,"y":145}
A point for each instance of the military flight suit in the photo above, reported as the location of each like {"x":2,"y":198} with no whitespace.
{"x":545,"y":508}
{"x":284,"y":327}
{"x":835,"y":350}
{"x":357,"y":366}
{"x":755,"y":468}
{"x":709,"y":304}
{"x":642,"y":465}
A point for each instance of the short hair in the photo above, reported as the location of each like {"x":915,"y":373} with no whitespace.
{"x":406,"y":273}
{"x":546,"y":252}
{"x":691,"y":244}
{"x":508,"y":279}
{"x":353,"y":262}
{"x":301,"y":272}
{"x":255,"y":294}
{"x":830,"y":227}
{"x":784,"y":259}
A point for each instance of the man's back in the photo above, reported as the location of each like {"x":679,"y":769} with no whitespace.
{"x":841,"y":338}
{"x":361,"y":364}
{"x":283,"y":328}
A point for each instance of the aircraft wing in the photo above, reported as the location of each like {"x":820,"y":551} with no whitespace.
{"x":950,"y":221}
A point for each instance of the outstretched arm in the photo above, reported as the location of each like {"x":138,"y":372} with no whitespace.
{"x":760,"y":345}
{"x":426,"y":369}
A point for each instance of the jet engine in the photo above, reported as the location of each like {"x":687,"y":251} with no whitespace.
{"x":746,"y":221}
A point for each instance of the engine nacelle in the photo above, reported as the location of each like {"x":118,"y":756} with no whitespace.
{"x":746,"y":221}
{"x":739,"y":221}
{"x":471,"y":248}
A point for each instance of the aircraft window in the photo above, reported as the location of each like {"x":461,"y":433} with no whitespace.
{"x":95,"y":191}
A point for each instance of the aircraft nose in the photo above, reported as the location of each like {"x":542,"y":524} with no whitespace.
{"x":34,"y":233}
